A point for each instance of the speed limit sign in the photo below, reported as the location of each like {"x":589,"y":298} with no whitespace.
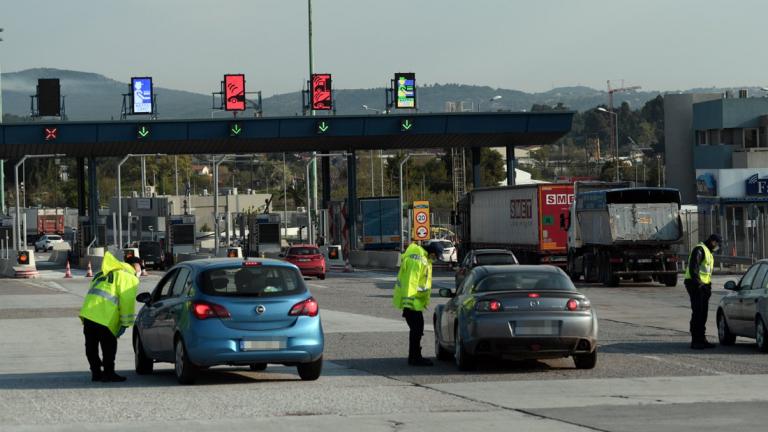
{"x":421,"y":220}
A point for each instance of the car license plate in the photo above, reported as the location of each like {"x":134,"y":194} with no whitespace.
{"x":304,"y":260}
{"x":149,"y":262}
{"x":536,"y":328}
{"x":262,"y":345}
{"x":645,"y":261}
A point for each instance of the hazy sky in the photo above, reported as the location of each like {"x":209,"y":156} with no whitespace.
{"x":529,"y":45}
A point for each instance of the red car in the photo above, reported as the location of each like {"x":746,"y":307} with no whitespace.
{"x":308,"y":259}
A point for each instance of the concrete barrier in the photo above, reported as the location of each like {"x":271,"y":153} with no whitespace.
{"x":375,"y":259}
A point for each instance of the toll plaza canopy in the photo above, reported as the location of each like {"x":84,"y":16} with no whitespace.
{"x":279,"y":134}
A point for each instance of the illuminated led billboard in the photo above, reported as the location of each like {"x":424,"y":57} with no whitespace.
{"x":405,"y":90}
{"x":322,"y":97}
{"x":48,"y":95}
{"x":234,"y":92}
{"x":141,"y":95}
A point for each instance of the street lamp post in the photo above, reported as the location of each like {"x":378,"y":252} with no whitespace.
{"x":615,"y":132}
{"x":373,"y":193}
{"x":18,"y":238}
{"x":400,"y":212}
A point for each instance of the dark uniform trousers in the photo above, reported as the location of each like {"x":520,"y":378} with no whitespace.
{"x":95,"y":335}
{"x":415,"y":320}
{"x":699,"y":295}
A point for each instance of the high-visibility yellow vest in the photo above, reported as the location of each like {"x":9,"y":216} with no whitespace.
{"x":705,"y":270}
{"x":414,"y":280}
{"x":111,"y":297}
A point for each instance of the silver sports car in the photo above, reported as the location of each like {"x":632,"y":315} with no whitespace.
{"x":516,"y":312}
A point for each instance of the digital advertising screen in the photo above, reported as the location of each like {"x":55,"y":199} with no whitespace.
{"x":405,"y":90}
{"x":141,"y":95}
{"x":322,"y":97}
{"x":234,"y":92}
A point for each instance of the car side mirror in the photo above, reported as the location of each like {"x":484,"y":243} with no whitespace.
{"x":144,"y":297}
{"x":731,"y":286}
{"x":446,"y":292}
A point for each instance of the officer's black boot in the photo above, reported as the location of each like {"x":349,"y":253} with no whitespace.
{"x":415,"y":358}
{"x":96,"y":375}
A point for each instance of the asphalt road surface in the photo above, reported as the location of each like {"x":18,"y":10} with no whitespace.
{"x":647,"y":379}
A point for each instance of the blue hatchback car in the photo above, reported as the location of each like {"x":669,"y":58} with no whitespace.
{"x":211,"y":312}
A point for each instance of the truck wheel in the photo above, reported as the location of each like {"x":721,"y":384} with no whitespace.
{"x":669,"y":280}
{"x":608,"y":278}
{"x":574,"y":276}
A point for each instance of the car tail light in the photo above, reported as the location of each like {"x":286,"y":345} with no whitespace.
{"x":307,"y":307}
{"x":489,"y":306}
{"x":672,"y":258}
{"x":205,"y":310}
{"x":534,"y":295}
{"x":578,"y":305}
{"x":616,"y":260}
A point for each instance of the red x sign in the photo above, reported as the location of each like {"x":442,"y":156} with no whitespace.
{"x":50,"y":133}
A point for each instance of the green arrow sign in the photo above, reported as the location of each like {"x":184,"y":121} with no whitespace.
{"x":406,"y":125}
{"x":143,"y":132}
{"x":235,"y":129}
{"x":323,"y":127}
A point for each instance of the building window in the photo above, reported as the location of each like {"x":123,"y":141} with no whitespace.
{"x":713,"y":136}
{"x":727,"y":136}
{"x":701,"y":137}
{"x":751,"y":139}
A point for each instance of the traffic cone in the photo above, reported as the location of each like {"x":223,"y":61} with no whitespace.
{"x":68,"y":273}
{"x":90,"y":270}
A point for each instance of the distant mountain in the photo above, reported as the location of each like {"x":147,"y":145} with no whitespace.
{"x":91,"y":96}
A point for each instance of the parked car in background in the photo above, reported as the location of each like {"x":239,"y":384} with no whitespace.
{"x":229,"y":312}
{"x":481,"y":257}
{"x":744,"y":310}
{"x":515,"y":312}
{"x":308,"y":259}
{"x":151,"y":254}
{"x":46,"y":241}
{"x":448,"y":254}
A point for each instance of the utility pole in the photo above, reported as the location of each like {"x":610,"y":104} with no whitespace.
{"x":615,"y":120}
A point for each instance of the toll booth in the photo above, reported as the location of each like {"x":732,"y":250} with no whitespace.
{"x":86,"y":233}
{"x":6,"y":232}
{"x":263,"y":235}
{"x":180,"y":233}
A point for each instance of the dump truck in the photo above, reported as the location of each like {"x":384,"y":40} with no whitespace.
{"x":529,"y":220}
{"x":626,"y":233}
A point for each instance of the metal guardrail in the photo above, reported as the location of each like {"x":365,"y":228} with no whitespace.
{"x":724,"y":260}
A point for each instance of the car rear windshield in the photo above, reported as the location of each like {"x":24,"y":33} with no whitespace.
{"x":303,"y":251}
{"x":152,"y":247}
{"x":53,"y":237}
{"x":445,"y":243}
{"x":494,"y":259}
{"x":258,"y":281}
{"x":526,"y":281}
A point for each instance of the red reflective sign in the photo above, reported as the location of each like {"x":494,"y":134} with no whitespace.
{"x":322,"y":98}
{"x":50,"y":133}
{"x":234,"y":92}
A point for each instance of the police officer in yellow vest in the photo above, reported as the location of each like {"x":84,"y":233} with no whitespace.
{"x":108,"y":309}
{"x":698,"y":283}
{"x":412,"y":292}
